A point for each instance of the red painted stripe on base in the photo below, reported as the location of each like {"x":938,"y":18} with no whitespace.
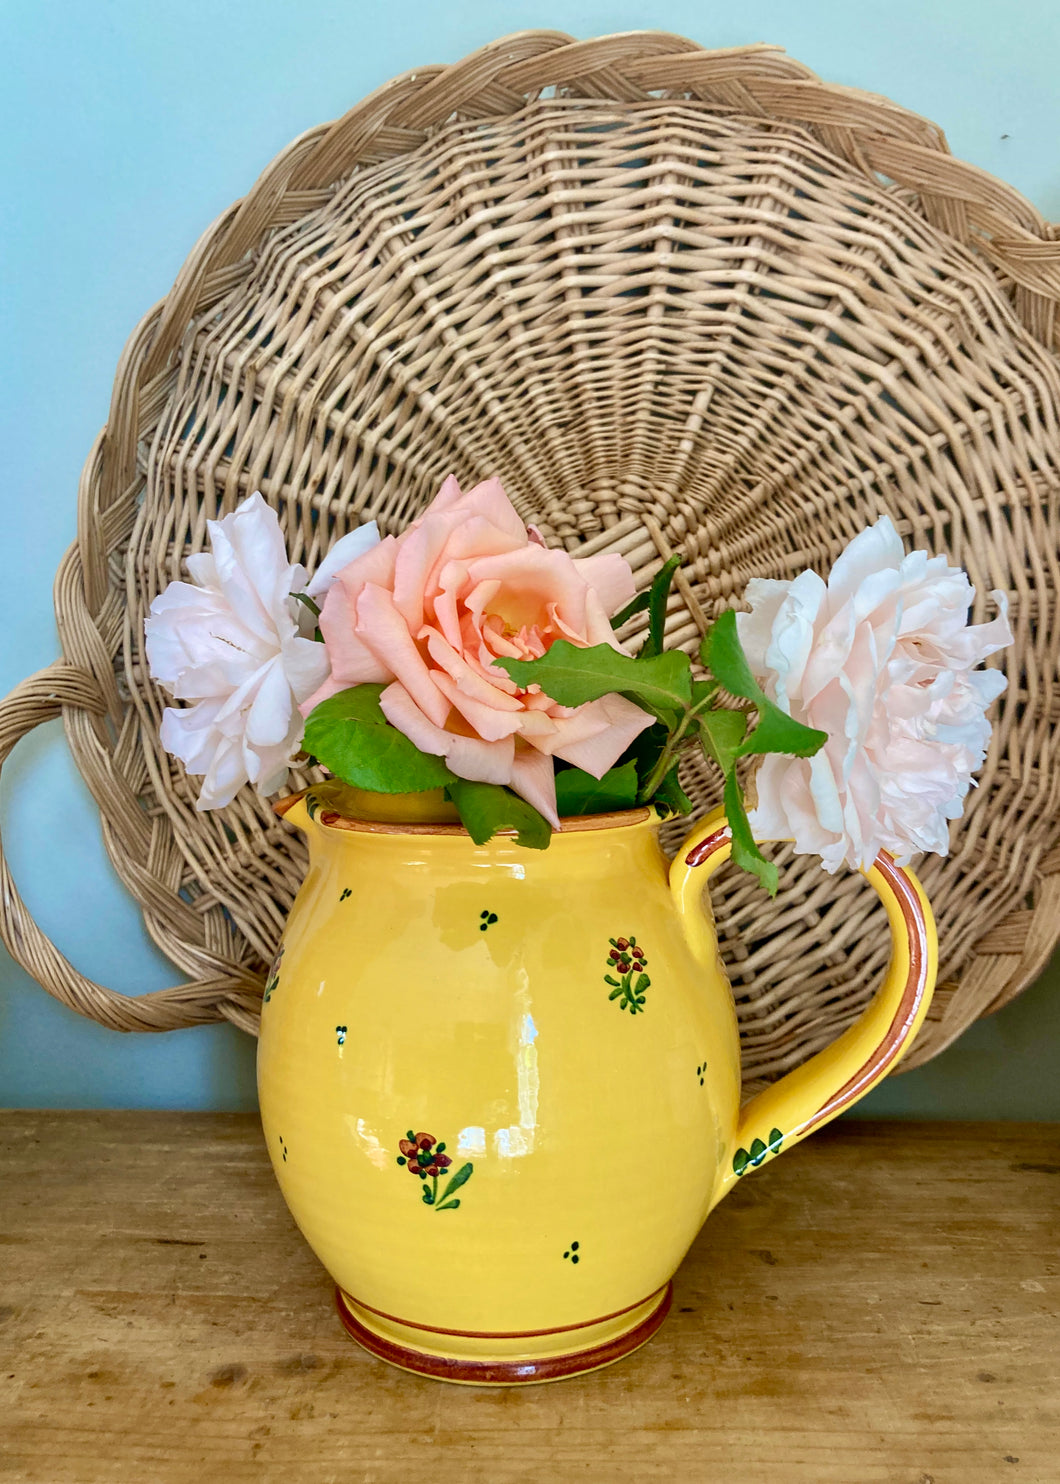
{"x":499,"y":1334}
{"x":505,"y":1372}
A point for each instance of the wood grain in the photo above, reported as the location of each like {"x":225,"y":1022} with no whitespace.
{"x":879,"y":1305}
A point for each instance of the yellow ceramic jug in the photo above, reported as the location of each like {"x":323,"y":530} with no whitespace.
{"x":501,"y":1087}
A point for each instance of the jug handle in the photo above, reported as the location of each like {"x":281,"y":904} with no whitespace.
{"x":836,"y":1077}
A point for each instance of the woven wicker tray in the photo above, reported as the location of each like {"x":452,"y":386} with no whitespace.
{"x":679,"y":300}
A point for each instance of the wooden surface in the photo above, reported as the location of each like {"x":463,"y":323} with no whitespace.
{"x":878,"y":1305}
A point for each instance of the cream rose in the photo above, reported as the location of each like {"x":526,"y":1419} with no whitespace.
{"x":428,"y":611}
{"x":881,"y":657}
{"x":236,"y":645}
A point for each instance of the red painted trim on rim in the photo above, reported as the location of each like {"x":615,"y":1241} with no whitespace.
{"x":886,"y":1053}
{"x":500,"y":1334}
{"x":505,"y":1372}
{"x":701,"y":853}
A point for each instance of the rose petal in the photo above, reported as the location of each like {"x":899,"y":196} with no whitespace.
{"x":533,"y":777}
{"x":596,"y":735}
{"x":884,"y":667}
{"x":871,"y":551}
{"x":346,"y":550}
{"x":611,"y":578}
{"x":467,"y":757}
{"x":383,"y":630}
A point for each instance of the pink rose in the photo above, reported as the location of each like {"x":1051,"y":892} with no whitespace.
{"x":882,"y":658}
{"x":431,"y":609}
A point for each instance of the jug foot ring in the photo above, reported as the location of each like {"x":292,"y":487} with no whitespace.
{"x":524,"y":1360}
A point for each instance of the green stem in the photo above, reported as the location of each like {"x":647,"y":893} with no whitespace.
{"x":434,"y":1191}
{"x":675,"y":744}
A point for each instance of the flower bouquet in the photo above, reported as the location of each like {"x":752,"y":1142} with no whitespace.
{"x":478,"y":673}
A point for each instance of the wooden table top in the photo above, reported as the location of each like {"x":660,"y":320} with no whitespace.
{"x":880,"y":1304}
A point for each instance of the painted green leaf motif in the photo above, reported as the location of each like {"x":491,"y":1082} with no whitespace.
{"x":628,"y":959}
{"x":581,"y":793}
{"x":744,"y":1160}
{"x":449,"y":1206}
{"x":462,"y":1176}
{"x":428,"y":1198}
{"x":272,"y":983}
{"x":572,"y":676}
{"x":349,"y":734}
{"x":486,"y":808}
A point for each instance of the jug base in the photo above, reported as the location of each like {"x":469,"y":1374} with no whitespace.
{"x":476,"y":1359}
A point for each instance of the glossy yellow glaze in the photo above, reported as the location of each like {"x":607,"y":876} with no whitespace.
{"x":429,"y":986}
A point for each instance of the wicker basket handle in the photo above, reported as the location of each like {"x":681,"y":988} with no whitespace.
{"x":837,"y":1077}
{"x":40,"y":698}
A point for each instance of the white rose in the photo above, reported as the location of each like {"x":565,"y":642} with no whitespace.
{"x":881,"y":657}
{"x":236,"y":644}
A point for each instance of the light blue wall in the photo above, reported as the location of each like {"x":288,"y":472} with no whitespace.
{"x":127,"y":128}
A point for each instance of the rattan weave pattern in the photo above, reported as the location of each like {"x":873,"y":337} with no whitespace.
{"x":678,"y":300}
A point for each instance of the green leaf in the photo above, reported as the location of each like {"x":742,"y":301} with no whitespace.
{"x":638,"y":605}
{"x":671,"y":796}
{"x":462,"y":1176}
{"x":778,"y":732}
{"x":646,"y":750}
{"x":428,"y":1198}
{"x":572,"y":676}
{"x":740,"y":1160}
{"x":349,"y":734}
{"x":722,"y":653}
{"x":449,"y":1206}
{"x":776,"y":1138}
{"x":308,"y":601}
{"x":702,"y":691}
{"x":721,"y":733}
{"x":487,"y":808}
{"x":758,"y":1152}
{"x":658,"y":596}
{"x":580,"y":793}
{"x":745,"y":852}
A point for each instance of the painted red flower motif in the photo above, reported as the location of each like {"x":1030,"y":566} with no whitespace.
{"x":420,"y":1156}
{"x":628,"y":959}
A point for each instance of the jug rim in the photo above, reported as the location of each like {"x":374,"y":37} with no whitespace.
{"x":568,"y":825}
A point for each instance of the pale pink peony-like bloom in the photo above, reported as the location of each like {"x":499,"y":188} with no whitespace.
{"x":881,"y":657}
{"x":236,"y":645}
{"x":428,"y":611}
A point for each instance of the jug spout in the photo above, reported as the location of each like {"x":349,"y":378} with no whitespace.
{"x":293,"y":809}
